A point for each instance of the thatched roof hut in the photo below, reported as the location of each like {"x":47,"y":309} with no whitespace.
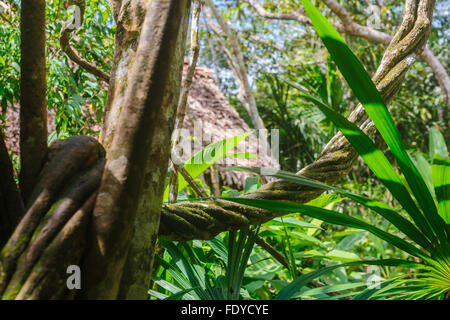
{"x":207,"y":108}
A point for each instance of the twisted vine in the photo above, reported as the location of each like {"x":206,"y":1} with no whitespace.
{"x":52,"y":233}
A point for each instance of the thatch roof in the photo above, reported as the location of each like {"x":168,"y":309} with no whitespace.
{"x":220,"y":120}
{"x":206,"y":105}
{"x":12,"y":127}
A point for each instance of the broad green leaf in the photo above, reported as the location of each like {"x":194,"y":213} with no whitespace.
{"x":351,"y":240}
{"x":441,"y":182}
{"x":367,"y":93}
{"x":424,"y":168}
{"x":312,"y":231}
{"x":340,"y":255}
{"x":381,"y":208}
{"x":252,"y":184}
{"x":310,"y":254}
{"x":254,"y":285}
{"x":346,"y":232}
{"x":337,"y":255}
{"x":332,"y":217}
{"x":203,"y":159}
{"x":290,"y":290}
{"x":291,"y":221}
{"x":437,"y":144}
{"x":331,"y":289}
{"x":325,"y":200}
{"x":307,"y":238}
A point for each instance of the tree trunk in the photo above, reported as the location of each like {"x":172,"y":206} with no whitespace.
{"x":33,"y":88}
{"x":11,"y":205}
{"x":235,"y":60}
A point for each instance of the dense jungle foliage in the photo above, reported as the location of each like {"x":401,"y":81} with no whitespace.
{"x":369,"y":235}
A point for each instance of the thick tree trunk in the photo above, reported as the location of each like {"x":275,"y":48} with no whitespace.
{"x":126,"y":214}
{"x":69,"y":179}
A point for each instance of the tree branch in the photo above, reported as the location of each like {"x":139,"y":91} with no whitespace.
{"x":194,"y":53}
{"x":5,"y":18}
{"x":115,"y":5}
{"x":350,"y":27}
{"x":64,"y":41}
{"x":443,"y":78}
{"x":293,"y":15}
{"x":179,"y":168}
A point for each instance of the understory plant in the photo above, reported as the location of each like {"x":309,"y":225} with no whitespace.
{"x":193,"y":279}
{"x":422,"y":217}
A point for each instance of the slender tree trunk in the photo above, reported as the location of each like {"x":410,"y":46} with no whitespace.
{"x":138,"y":268}
{"x":235,"y":60}
{"x":33,"y":101}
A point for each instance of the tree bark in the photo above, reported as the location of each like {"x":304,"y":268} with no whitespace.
{"x":127,"y":211}
{"x":64,"y":40}
{"x":119,"y":226}
{"x":11,"y":205}
{"x":70,"y":177}
{"x":33,"y":87}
